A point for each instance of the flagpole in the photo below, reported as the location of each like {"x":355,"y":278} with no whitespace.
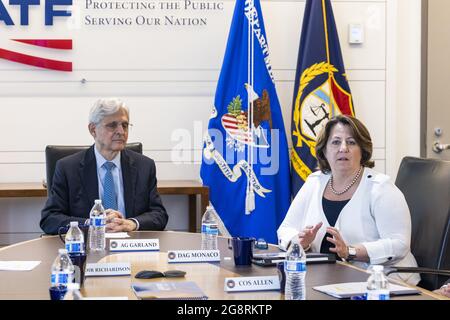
{"x":252,"y":99}
{"x":250,"y":196}
{"x":327,"y":47}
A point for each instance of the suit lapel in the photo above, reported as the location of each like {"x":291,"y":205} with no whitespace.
{"x":88,"y":175}
{"x":129,"y":175}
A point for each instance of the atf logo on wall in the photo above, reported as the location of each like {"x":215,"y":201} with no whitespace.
{"x":40,"y":33}
{"x":20,"y":15}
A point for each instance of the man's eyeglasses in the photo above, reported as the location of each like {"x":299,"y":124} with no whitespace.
{"x":112,"y":126}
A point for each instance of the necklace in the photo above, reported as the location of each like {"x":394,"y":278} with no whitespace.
{"x":338,"y":193}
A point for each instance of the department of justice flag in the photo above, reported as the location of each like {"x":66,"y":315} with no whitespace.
{"x":321,"y":87}
{"x":245,"y":157}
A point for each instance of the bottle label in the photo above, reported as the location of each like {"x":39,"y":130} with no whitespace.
{"x":74,"y":246}
{"x":294,"y":266}
{"x":60,"y":278}
{"x":384,"y":296}
{"x":210,"y":229}
{"x":378,"y":295}
{"x":98,"y":221}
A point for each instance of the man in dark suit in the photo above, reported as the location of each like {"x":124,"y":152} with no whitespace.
{"x":123,"y":179}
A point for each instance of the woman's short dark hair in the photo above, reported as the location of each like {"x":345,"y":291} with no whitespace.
{"x":358,"y":131}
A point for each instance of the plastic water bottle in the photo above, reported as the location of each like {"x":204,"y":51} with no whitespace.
{"x":210,"y":229}
{"x":74,"y":239}
{"x":62,"y":269}
{"x":73,"y":292}
{"x":377,"y":284}
{"x":97,"y":227}
{"x":295,"y":270}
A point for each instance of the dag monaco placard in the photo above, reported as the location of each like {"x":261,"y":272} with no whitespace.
{"x":174,"y":256}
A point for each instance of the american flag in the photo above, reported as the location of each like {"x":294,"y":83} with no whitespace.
{"x":51,"y":64}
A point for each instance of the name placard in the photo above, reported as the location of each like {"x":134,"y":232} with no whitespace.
{"x":108,"y":269}
{"x":252,"y":283}
{"x":134,"y":245}
{"x":179,"y":256}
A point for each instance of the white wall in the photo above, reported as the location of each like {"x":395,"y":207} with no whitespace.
{"x":168,"y":77}
{"x":403,"y":81}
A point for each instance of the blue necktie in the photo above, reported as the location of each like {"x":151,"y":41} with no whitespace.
{"x":109,"y":191}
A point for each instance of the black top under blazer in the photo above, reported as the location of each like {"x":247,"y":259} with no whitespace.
{"x":75,"y":187}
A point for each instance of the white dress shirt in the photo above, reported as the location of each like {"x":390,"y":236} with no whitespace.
{"x":377,"y":216}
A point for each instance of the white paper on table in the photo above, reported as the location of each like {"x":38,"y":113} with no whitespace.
{"x":349,"y":289}
{"x":116,"y":235}
{"x":18,"y":265}
{"x":105,"y":298}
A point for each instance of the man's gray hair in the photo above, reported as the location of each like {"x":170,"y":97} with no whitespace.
{"x":105,"y":107}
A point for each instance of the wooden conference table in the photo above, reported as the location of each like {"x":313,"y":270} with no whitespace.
{"x":208,"y":276}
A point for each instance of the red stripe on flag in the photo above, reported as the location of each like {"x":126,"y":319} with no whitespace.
{"x":230,"y":126}
{"x":342,"y":98}
{"x":64,"y":44}
{"x":35,"y":61}
{"x":229,"y":121}
{"x":241,"y":135}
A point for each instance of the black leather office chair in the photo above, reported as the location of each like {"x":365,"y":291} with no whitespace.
{"x":426,"y":186}
{"x":53,"y":153}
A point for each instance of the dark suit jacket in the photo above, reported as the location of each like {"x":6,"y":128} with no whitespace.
{"x":75,"y":187}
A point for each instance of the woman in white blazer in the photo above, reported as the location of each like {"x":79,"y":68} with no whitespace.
{"x":444,"y":290}
{"x":349,"y":209}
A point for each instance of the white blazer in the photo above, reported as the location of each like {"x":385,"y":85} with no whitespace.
{"x":376,"y":216}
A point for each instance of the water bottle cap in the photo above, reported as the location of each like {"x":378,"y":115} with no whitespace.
{"x":98,"y":201}
{"x":74,"y":223}
{"x":377,"y":267}
{"x":73,"y":286}
{"x":62,"y":251}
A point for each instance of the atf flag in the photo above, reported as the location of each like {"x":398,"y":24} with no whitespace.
{"x":321,"y":87}
{"x":245,"y":156}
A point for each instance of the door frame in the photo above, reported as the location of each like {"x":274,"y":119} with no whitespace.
{"x":424,"y":81}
